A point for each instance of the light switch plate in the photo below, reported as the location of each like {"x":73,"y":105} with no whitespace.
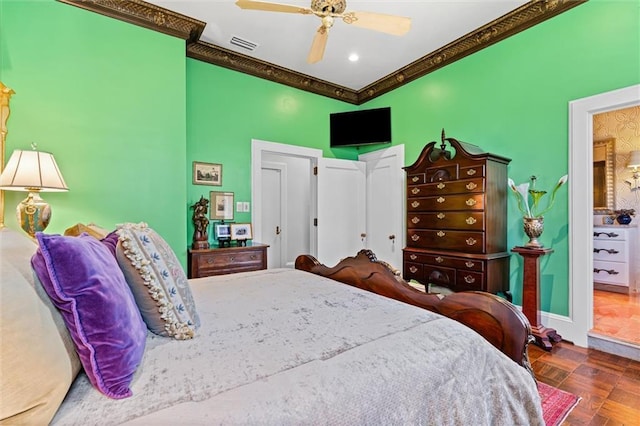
{"x":239,"y":206}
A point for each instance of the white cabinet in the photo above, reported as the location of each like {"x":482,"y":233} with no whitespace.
{"x":613,"y":263}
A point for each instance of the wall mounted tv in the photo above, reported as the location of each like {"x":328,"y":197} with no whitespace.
{"x":365,"y":127}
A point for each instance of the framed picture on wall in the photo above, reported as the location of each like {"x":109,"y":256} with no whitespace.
{"x":207,"y":174}
{"x":221,"y":205}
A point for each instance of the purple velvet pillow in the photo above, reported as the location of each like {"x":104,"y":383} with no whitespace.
{"x":84,"y":282}
{"x":111,"y":242}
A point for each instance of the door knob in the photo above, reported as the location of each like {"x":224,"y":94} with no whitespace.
{"x":277,"y":230}
{"x":392,"y":237}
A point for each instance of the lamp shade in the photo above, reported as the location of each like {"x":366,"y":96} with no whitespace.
{"x":634,"y":159}
{"x":32,"y":170}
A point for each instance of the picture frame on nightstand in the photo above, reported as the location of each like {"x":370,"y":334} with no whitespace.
{"x":241,"y":232}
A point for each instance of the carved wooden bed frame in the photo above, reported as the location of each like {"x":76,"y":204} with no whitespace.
{"x":494,"y":318}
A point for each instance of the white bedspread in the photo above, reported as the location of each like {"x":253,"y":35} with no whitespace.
{"x":284,"y":347}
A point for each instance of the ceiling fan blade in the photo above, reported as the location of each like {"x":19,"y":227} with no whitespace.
{"x":390,"y":24}
{"x":317,"y":47}
{"x":271,"y":7}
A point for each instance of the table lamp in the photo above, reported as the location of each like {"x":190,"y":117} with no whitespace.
{"x":35,"y":172}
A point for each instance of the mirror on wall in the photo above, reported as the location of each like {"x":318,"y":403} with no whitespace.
{"x":603,"y":179}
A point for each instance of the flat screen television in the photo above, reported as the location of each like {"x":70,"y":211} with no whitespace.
{"x":365,"y":127}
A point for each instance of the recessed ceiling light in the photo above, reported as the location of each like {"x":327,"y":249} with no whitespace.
{"x":354,"y":57}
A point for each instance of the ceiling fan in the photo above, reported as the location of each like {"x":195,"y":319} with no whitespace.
{"x":327,"y":11}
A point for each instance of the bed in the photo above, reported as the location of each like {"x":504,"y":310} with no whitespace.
{"x":276,"y":347}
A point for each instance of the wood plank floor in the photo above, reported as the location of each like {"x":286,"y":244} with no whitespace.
{"x":608,"y":384}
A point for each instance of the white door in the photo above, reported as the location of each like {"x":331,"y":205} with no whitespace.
{"x":274,"y":193}
{"x":385,"y":203}
{"x":341,"y":191}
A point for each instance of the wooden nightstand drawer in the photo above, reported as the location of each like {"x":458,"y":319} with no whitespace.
{"x":227,"y":260}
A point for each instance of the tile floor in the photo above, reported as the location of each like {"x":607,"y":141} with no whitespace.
{"x":617,"y":315}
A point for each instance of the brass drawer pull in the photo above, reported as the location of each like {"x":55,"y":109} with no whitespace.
{"x":440,"y":215}
{"x":415,"y":179}
{"x":209,"y":260}
{"x":415,"y":191}
{"x":413,"y":257}
{"x":440,"y":200}
{"x":415,"y":204}
{"x":415,"y":237}
{"x":469,"y":279}
{"x":471,"y":202}
{"x":415,"y":220}
{"x":471,"y":241}
{"x":471,"y":186}
{"x":253,"y":257}
{"x":439,"y":259}
{"x":469,"y":264}
{"x":413,"y":269}
{"x":440,"y":234}
{"x":471,"y":220}
{"x":440,"y":185}
{"x":471,"y":172}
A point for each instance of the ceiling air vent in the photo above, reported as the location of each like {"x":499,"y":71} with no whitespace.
{"x":245,"y":44}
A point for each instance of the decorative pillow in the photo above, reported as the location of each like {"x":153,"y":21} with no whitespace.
{"x":157,"y":281}
{"x":85,"y":283}
{"x":38,"y":361}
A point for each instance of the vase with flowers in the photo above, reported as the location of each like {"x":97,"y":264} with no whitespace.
{"x":529,"y":198}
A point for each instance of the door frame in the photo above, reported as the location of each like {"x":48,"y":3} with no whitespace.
{"x":259,"y":147}
{"x":576,"y":326}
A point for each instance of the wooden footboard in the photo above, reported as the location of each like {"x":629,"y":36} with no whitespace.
{"x":497,"y":320}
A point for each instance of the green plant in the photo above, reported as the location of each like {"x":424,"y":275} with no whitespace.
{"x":526,"y":191}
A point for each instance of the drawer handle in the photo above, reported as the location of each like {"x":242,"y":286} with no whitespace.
{"x":471,"y":172}
{"x":469,"y":279}
{"x":608,"y":234}
{"x":415,"y":204}
{"x":470,"y":220}
{"x":232,"y":258}
{"x":415,"y":237}
{"x":439,"y":259}
{"x":440,"y":185}
{"x":415,"y":179}
{"x":610,"y":251}
{"x":469,"y":264}
{"x":415,"y":191}
{"x":440,"y":215}
{"x":608,"y":271}
{"x":471,"y":186}
{"x":209,"y":260}
{"x":471,"y":241}
{"x":413,"y":269}
{"x":440,"y":200}
{"x":471,"y":202}
{"x":415,"y":220}
{"x":253,"y":256}
{"x":413,"y":257}
{"x":440,"y":234}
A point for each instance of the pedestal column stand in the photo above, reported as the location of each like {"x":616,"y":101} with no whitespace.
{"x":544,"y":337}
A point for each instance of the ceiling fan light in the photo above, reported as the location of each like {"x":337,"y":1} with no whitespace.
{"x":327,"y":21}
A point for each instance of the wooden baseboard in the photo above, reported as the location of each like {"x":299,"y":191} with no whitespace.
{"x":611,"y":287}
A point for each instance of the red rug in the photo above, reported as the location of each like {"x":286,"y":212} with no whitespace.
{"x":556,"y":404}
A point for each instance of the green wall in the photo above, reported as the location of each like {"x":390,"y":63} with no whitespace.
{"x":108,"y":99}
{"x":512,"y":99}
{"x":126,"y":114}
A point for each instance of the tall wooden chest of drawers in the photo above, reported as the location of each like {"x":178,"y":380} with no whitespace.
{"x":456,"y":218}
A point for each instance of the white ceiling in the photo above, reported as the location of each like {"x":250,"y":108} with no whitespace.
{"x":284,"y":39}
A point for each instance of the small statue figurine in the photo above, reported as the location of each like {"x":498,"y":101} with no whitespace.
{"x":201,"y":223}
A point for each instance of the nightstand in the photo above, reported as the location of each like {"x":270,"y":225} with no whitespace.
{"x":227,"y":260}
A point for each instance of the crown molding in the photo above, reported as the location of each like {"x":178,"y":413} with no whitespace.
{"x":168,"y":22}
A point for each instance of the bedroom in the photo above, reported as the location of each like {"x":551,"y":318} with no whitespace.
{"x":115,"y":102}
